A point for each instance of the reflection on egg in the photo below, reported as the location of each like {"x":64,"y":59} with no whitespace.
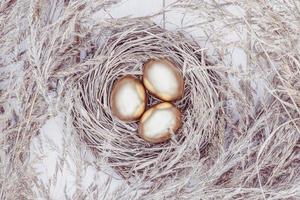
{"x":128,"y":99}
{"x":159,"y":122}
{"x":163,"y":79}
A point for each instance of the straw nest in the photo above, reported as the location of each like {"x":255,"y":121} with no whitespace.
{"x":123,"y":52}
{"x":234,"y":144}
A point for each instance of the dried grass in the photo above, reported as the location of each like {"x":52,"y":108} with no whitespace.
{"x":123,"y":53}
{"x":240,"y":139}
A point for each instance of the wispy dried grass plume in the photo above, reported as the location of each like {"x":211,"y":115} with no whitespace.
{"x":241,"y":132}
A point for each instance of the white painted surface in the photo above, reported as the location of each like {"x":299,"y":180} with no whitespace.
{"x":138,"y":8}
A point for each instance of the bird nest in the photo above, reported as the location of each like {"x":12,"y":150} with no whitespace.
{"x":240,"y":135}
{"x":123,"y":52}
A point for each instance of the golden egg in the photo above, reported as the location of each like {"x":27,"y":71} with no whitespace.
{"x":163,"y":79}
{"x":128,"y":99}
{"x":159,"y":122}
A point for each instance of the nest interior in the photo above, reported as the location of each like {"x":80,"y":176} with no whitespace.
{"x":124,"y":52}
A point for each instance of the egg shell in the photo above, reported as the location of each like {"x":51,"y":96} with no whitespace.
{"x":127,"y":98}
{"x":165,"y":134}
{"x":164,"y":70}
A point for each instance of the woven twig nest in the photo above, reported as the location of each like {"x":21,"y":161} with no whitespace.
{"x":123,"y":53}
